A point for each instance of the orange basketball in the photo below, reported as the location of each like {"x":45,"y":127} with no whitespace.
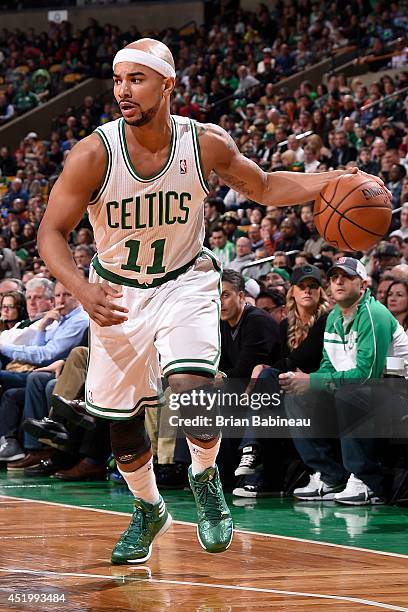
{"x":353,"y":213}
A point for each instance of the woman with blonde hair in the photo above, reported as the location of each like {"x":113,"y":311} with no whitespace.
{"x":307,"y":305}
{"x":301,"y":347}
{"x":317,"y":143}
{"x":288,"y":159}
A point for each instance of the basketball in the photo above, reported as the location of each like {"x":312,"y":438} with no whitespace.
{"x":353,"y":212}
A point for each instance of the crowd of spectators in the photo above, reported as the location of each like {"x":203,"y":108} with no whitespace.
{"x":233,"y":53}
{"x":226,"y":75}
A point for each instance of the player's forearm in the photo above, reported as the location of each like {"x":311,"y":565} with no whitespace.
{"x":57,"y":255}
{"x":289,"y":188}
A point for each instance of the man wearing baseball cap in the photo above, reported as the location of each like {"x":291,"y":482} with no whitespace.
{"x":358,"y":336}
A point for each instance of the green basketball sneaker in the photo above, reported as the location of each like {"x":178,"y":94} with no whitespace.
{"x":149,"y":521}
{"x":215,"y":528}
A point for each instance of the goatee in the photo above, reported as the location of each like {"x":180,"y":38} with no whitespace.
{"x":145,"y":116}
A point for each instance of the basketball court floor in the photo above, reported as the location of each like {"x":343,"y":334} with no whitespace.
{"x":56,"y":539}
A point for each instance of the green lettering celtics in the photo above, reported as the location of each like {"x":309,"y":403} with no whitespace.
{"x":149,"y":210}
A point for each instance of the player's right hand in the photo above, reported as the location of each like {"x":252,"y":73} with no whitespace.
{"x":99,"y":303}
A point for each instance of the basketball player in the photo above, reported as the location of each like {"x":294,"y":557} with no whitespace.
{"x":153,"y":290}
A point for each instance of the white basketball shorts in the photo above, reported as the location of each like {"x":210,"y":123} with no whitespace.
{"x":171,"y":328}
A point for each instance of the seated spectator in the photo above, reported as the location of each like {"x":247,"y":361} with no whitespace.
{"x":221,"y":247}
{"x":396,"y":174}
{"x":294,"y":144}
{"x":402,"y":231}
{"x":268,"y":233}
{"x":11,"y":284}
{"x":230,"y":225}
{"x":342,"y":152}
{"x":397,"y":301}
{"x":59,"y":330}
{"x":15,"y":191}
{"x":281,"y":260}
{"x":82,"y":440}
{"x":13,"y":309}
{"x":83,"y":255}
{"x":311,"y":160}
{"x":290,"y":240}
{"x":246,"y":82}
{"x":386,"y":256}
{"x":244,"y":255}
{"x":356,"y":479}
{"x":284,"y":61}
{"x":255,"y":216}
{"x":365,"y":163}
{"x":301,"y":334}
{"x":6,"y":109}
{"x":25,"y":99}
{"x":254,"y":236}
{"x":8,"y":165}
{"x":404,"y":188}
{"x":272,"y":302}
{"x":9,"y":264}
{"x":257,"y":337}
{"x":212,"y":209}
{"x":314,"y":244}
{"x":381,"y":293}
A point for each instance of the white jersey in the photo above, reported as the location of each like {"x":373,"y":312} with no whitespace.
{"x":149,"y":230}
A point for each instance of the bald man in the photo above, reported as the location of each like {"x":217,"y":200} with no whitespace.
{"x":153,"y":288}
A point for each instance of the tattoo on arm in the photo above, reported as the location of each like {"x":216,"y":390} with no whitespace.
{"x":231,"y":180}
{"x":236,"y":184}
{"x":210,"y":129}
{"x":202,"y":130}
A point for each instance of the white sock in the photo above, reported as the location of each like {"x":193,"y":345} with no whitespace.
{"x":202,"y":458}
{"x":142,"y":482}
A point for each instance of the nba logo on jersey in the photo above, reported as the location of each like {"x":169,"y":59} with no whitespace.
{"x":183,"y":166}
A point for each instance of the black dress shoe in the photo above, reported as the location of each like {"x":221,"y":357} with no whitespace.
{"x":73,"y":411}
{"x":49,"y":466}
{"x":171,"y":475}
{"x":49,"y":432}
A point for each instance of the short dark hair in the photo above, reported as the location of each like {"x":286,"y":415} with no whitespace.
{"x":219,"y":229}
{"x":234,"y":278}
{"x":217,"y":203}
{"x":276,"y":296}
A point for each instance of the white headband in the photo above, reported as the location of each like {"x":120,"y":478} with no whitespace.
{"x":146,"y":59}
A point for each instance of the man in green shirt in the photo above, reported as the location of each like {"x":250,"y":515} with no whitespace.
{"x":223,"y":248}
{"x":358,"y":336}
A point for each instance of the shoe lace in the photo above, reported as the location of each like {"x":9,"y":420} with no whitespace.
{"x":209,"y":498}
{"x":246,"y":460}
{"x":3,"y":442}
{"x":136,"y":527}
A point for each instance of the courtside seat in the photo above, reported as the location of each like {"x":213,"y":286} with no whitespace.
{"x":23,"y":69}
{"x":72,"y":77}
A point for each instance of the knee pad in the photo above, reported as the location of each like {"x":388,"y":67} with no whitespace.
{"x":198,"y":422}
{"x":129,"y":439}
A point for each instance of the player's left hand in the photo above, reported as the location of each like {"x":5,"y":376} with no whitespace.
{"x":377,"y":179}
{"x":295,"y":383}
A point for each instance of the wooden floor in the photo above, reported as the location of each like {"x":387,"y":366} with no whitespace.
{"x":60,"y":550}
